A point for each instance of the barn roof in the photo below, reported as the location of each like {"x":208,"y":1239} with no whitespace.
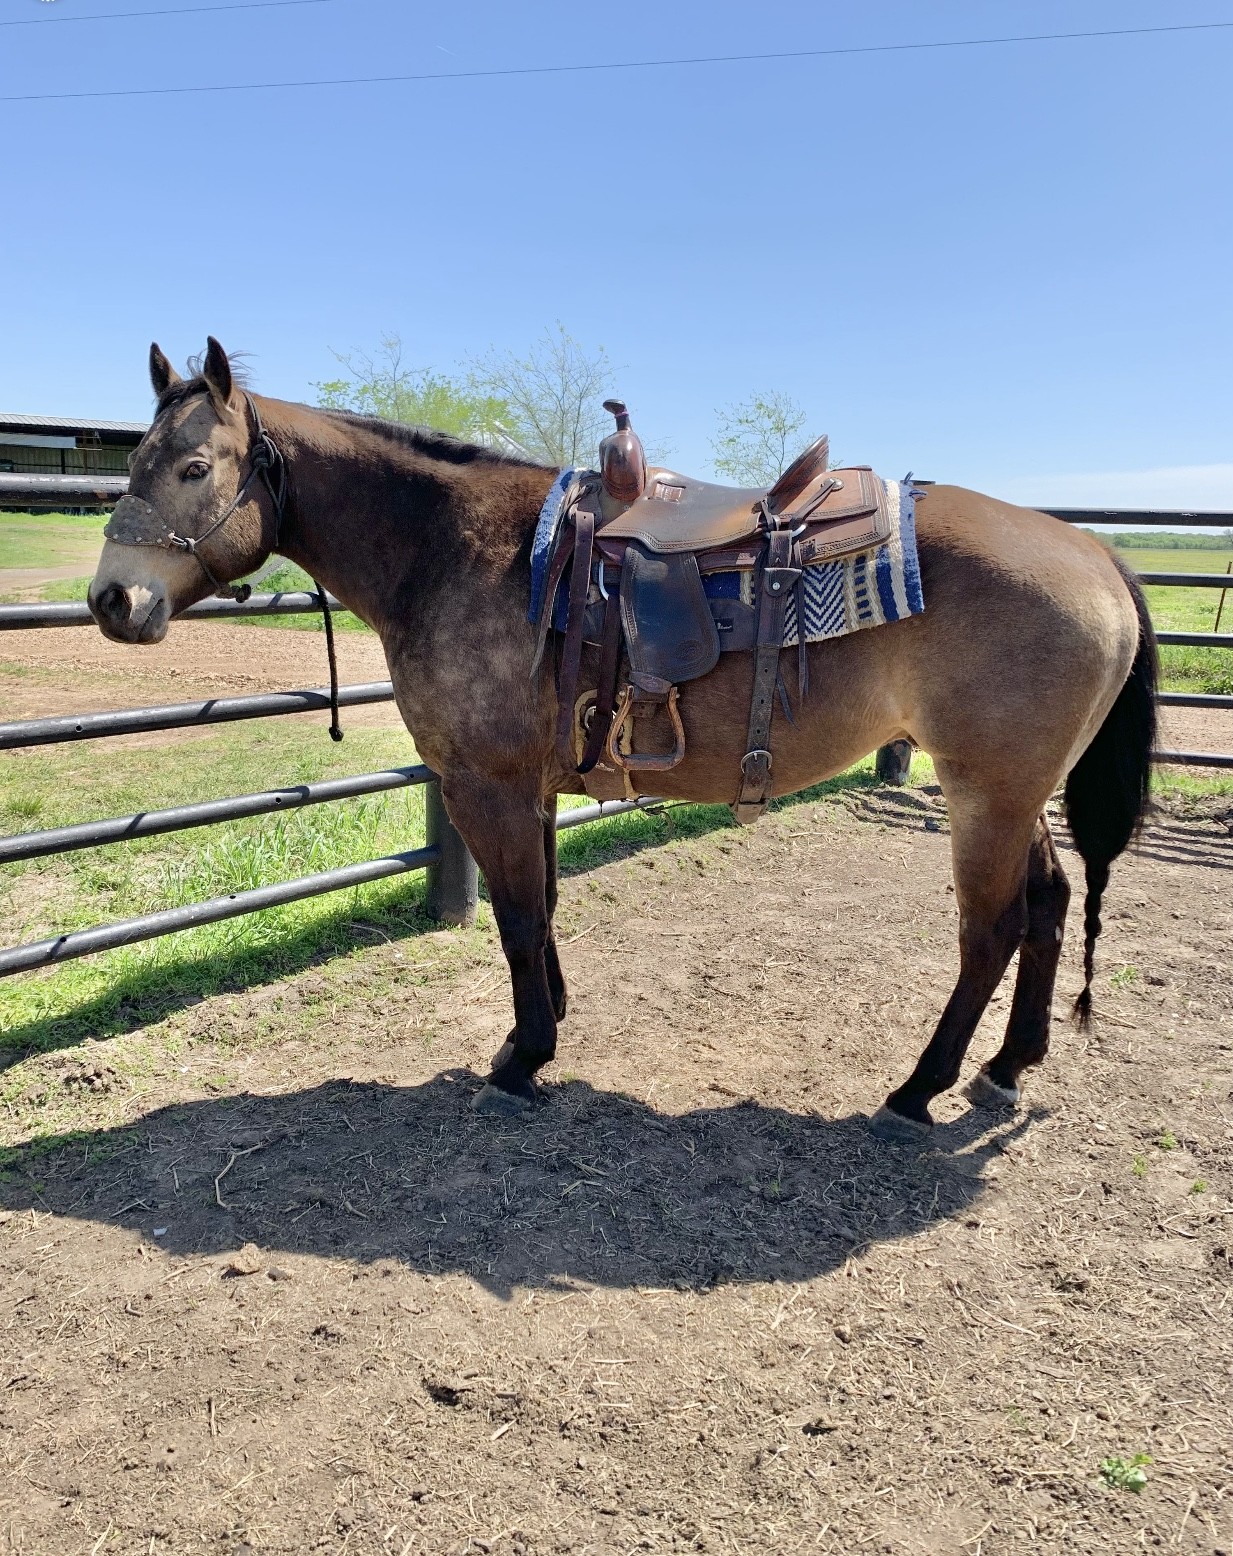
{"x":65,"y":426}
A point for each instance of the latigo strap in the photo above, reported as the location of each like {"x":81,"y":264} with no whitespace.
{"x":776,"y":581}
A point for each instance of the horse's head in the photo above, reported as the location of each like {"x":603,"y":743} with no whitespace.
{"x":194,"y":517}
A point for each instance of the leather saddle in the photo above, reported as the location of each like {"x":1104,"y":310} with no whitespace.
{"x":637,"y":543}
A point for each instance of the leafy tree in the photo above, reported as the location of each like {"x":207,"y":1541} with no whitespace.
{"x":552,"y":398}
{"x":382,"y":385}
{"x":758,"y":438}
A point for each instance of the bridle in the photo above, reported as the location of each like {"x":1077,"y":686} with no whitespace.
{"x":134,"y":523}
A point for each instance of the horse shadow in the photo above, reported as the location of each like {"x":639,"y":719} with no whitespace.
{"x":590,"y":1187}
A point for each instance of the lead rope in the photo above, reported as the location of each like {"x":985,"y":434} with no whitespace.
{"x":328,"y":617}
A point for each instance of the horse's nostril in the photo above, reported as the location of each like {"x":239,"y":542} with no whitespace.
{"x":113,"y":603}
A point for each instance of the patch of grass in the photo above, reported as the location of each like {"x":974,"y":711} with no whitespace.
{"x":1187,"y":610}
{"x":1124,"y":977}
{"x":1180,"y":784}
{"x":1139,"y":1167}
{"x":1199,"y":1186}
{"x":1125,"y":1474}
{"x":1167,"y":1140}
{"x":50,"y":539}
{"x":97,"y":996}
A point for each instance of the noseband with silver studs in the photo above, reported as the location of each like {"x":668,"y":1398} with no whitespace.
{"x":134,"y":523}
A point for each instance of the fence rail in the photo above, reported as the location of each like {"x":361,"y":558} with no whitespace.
{"x":75,"y":613}
{"x":185,"y":715}
{"x":452,"y":886}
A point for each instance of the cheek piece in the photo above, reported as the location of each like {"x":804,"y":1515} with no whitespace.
{"x":135,"y":523}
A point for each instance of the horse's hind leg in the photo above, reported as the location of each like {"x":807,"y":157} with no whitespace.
{"x":989,"y":842}
{"x":1027,"y":1032}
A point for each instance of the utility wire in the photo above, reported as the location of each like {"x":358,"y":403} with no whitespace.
{"x":633,"y":64}
{"x":188,"y":10}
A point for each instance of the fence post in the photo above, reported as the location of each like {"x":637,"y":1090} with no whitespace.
{"x":893,"y":762}
{"x":452,"y":893}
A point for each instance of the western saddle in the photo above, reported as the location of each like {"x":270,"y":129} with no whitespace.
{"x":637,"y":543}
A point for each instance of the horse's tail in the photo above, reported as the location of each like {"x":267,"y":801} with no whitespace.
{"x":1108,"y":788}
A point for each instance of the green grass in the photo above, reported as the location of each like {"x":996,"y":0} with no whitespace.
{"x":1188,"y":610}
{"x":50,"y":539}
{"x":107,"y":993}
{"x":1125,"y":1474}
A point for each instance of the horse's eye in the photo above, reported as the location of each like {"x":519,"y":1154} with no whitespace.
{"x":196,"y":470}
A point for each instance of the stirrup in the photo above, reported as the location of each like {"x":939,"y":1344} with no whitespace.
{"x":633,"y":762}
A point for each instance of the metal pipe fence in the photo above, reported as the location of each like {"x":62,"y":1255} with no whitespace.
{"x":452,"y":880}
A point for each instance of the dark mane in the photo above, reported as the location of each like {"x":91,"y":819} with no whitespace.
{"x":420,"y":440}
{"x":430,"y":443}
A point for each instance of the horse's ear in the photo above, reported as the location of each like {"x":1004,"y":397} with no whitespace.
{"x":217,"y":374}
{"x":162,"y":374}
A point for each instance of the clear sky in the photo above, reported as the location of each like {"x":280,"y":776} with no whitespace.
{"x":1010,"y":266}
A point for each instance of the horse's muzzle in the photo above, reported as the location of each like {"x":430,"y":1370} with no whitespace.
{"x":137,"y":614}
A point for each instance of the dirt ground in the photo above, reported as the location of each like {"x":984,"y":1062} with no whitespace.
{"x":76,"y":670}
{"x":279,"y":1289}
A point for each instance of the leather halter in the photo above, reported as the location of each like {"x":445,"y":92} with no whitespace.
{"x":134,"y":523}
{"x":129,"y":528}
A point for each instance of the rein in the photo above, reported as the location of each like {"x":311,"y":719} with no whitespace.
{"x":134,"y":523}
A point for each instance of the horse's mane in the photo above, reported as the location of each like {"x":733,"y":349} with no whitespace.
{"x":420,"y":440}
{"x":427,"y":441}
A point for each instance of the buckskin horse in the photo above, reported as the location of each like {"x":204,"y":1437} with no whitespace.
{"x":1033,"y":663}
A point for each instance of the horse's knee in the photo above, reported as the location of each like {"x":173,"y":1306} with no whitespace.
{"x":524,"y":937}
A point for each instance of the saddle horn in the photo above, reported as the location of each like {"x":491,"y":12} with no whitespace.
{"x":622,"y":461}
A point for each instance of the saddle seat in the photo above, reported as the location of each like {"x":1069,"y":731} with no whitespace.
{"x":678,"y":513}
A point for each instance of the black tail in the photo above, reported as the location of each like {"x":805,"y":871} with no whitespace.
{"x":1108,"y":789}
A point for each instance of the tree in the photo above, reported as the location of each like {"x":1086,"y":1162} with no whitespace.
{"x":758,"y":438}
{"x":382,"y":385}
{"x":552,"y":397}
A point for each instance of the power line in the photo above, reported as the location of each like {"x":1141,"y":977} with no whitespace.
{"x":633,"y":64}
{"x":188,"y":10}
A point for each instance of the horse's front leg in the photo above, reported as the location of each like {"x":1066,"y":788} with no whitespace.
{"x":503,"y":826}
{"x":552,"y":962}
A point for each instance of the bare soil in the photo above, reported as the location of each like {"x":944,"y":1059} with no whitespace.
{"x":76,"y":670}
{"x":279,"y":1289}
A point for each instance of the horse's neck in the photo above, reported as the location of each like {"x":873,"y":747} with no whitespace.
{"x":350,"y":515}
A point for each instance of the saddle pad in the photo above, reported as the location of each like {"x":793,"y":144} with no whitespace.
{"x":541,"y":547}
{"x":868,"y":589}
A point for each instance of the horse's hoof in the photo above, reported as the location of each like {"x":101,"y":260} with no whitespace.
{"x":982,"y":1091}
{"x":886,"y":1124}
{"x":495,"y":1103}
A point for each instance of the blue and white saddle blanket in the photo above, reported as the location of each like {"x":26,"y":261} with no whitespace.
{"x":866,"y":589}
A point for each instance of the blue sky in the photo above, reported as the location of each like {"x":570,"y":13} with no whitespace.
{"x":1010,"y":267}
